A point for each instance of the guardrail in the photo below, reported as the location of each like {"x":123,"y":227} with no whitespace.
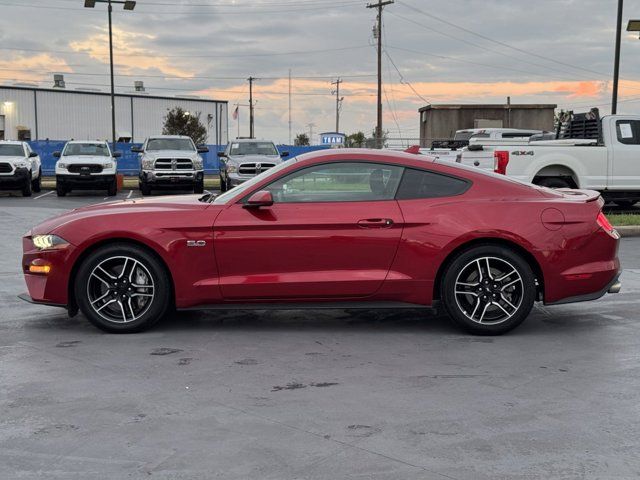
{"x":129,"y":164}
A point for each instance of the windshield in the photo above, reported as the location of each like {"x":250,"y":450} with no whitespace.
{"x":225,"y":197}
{"x":94,"y":149}
{"x":9,"y":150}
{"x":184,"y":144}
{"x":253,"y":148}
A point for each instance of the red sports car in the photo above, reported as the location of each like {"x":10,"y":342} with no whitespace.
{"x":337,"y":228}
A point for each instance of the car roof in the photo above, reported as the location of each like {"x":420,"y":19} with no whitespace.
{"x":87,"y":141}
{"x":250,"y":140}
{"x":154,"y":137}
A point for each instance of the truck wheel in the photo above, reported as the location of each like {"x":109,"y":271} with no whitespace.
{"x":61,"y":191}
{"x":198,"y":187}
{"x":113,"y":189}
{"x":26,"y":189}
{"x":625,"y":203}
{"x":223,"y":185}
{"x":36,"y":185}
{"x":144,"y":189}
{"x":553,"y":182}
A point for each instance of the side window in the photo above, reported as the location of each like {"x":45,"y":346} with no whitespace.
{"x":423,"y":184}
{"x":338,"y":182}
{"x":628,"y":131}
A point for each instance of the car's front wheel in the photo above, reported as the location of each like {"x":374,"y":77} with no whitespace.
{"x":36,"y":185}
{"x":122,"y":288}
{"x":223,"y":185}
{"x":488,"y":290}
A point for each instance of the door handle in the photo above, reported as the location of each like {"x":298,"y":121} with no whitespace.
{"x":375,"y":223}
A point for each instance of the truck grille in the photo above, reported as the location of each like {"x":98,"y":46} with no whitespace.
{"x":84,"y":168}
{"x":5,"y":168}
{"x":254,"y":168}
{"x":174,"y":164}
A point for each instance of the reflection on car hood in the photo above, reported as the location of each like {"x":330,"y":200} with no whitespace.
{"x":170,"y":154}
{"x":85,"y":159}
{"x":11,"y":159}
{"x":255,"y":158}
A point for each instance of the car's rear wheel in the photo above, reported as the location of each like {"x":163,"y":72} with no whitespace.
{"x":625,"y":203}
{"x":122,"y":288}
{"x":488,"y":290}
{"x":553,"y":182}
{"x":36,"y":185}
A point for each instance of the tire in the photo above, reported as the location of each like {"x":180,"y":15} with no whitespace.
{"x":625,"y":203}
{"x":112,"y":191}
{"x":116,"y":301}
{"x":26,"y":189}
{"x":198,"y":187}
{"x":36,"y":185}
{"x":61,"y":191}
{"x":145,"y":189}
{"x":223,"y":185}
{"x":553,"y":182}
{"x":509,"y":300}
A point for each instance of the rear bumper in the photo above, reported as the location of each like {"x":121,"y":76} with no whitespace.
{"x":17,"y":180}
{"x":613,"y":286}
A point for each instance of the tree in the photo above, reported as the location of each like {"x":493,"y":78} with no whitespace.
{"x":355,"y":140}
{"x":372,"y":142}
{"x":180,"y":122}
{"x":302,"y":139}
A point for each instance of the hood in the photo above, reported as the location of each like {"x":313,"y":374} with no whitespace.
{"x":85,"y":159}
{"x":165,"y":204}
{"x":12,"y":159}
{"x":170,"y":154}
{"x":255,"y":158}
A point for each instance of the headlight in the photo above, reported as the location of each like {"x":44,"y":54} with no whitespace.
{"x":21,"y":164}
{"x":108,"y":165}
{"x":232,"y":168}
{"x":197,"y":164}
{"x":62,"y":166}
{"x":147,"y":164}
{"x":46,"y":242}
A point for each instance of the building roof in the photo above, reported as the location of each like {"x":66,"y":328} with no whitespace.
{"x":181,"y":98}
{"x":488,"y":106}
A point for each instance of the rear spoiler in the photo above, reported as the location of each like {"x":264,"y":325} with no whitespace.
{"x":415,"y":149}
{"x":584,"y":195}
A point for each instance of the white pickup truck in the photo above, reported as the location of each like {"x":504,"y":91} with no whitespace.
{"x":609,"y":163}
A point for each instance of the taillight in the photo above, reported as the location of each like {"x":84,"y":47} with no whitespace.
{"x":603,"y":223}
{"x":500,"y":161}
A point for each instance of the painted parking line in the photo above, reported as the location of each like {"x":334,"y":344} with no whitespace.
{"x":43,"y":195}
{"x":130,"y":193}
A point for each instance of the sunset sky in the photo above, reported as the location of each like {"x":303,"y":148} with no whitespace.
{"x":437,"y":51}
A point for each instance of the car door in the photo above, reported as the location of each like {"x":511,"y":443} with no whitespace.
{"x":332,"y":232}
{"x":625,"y":143}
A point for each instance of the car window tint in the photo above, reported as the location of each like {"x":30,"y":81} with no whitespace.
{"x":423,"y":184}
{"x":338,"y":182}
{"x":628,"y":131}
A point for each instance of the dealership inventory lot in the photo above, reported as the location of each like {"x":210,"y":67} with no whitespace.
{"x":317,"y":393}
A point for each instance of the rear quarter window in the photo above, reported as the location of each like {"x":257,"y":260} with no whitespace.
{"x":423,"y":184}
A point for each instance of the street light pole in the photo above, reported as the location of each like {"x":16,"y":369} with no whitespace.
{"x":616,"y":64}
{"x":128,"y":5}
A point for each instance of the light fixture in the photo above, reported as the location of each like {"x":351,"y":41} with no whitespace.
{"x":129,"y":5}
{"x":633,"y":26}
{"x":89,"y":3}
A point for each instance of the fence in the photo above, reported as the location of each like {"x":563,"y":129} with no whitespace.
{"x":129,"y":164}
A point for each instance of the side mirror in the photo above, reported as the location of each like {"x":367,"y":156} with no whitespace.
{"x":136,"y":149}
{"x":203,"y":149}
{"x":33,"y":154}
{"x":222,"y":154}
{"x":56,"y":154}
{"x":263,"y":198}
{"x":117,"y":154}
{"x":284,"y":154}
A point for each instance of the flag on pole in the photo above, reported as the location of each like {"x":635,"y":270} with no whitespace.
{"x":235,"y":113}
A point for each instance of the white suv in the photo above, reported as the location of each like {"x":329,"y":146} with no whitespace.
{"x":86,"y":165}
{"x":20,"y":167}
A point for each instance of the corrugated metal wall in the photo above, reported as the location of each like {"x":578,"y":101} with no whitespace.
{"x":66,"y":114}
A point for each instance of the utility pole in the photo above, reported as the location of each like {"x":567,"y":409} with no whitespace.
{"x":311,"y":125}
{"x":616,"y":63}
{"x":380,"y":5}
{"x":251,"y":79}
{"x":289,"y":106}
{"x":338,"y":101}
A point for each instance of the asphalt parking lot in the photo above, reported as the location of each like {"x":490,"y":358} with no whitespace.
{"x":314,"y":394}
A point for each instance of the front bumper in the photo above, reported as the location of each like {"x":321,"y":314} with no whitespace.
{"x":171,"y":178}
{"x":234,"y":179}
{"x":18,"y":179}
{"x":86,"y":181}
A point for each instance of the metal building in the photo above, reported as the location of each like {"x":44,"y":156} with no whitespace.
{"x":32,"y":113}
{"x":438,"y":122}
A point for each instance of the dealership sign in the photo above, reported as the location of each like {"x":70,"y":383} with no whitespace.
{"x":332,"y":138}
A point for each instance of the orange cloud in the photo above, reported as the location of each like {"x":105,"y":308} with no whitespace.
{"x":28,"y":68}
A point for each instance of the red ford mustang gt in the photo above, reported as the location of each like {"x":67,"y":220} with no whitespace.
{"x":337,"y":228}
